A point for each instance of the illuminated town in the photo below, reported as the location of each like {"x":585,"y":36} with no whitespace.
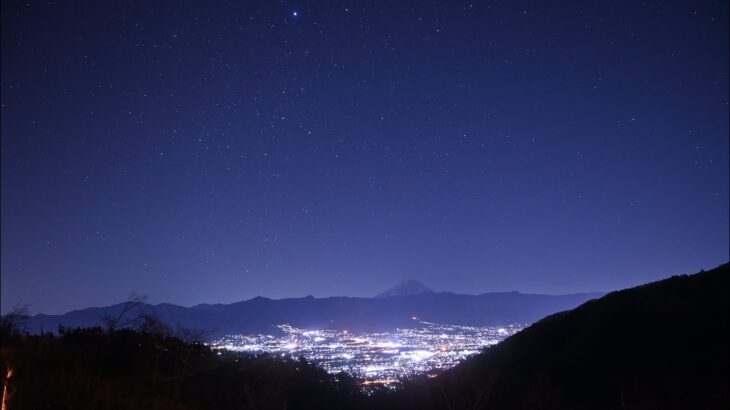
{"x":376,"y":358}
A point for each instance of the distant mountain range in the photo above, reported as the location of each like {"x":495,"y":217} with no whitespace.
{"x":396,"y":307}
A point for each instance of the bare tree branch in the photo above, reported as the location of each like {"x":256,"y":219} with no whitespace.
{"x":112,"y":323}
{"x":14,"y":322}
{"x":151,"y":324}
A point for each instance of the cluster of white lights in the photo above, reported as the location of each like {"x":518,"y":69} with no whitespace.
{"x":380,"y":357}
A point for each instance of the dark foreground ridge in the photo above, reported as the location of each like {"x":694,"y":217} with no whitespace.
{"x":128,"y":369}
{"x":659,"y":346}
{"x":663,"y":345}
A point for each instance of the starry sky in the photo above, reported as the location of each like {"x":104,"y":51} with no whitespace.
{"x":211,"y":151}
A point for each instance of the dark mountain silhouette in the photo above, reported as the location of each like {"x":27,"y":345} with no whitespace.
{"x":138,"y":369}
{"x":408,"y":287}
{"x":262,"y":314}
{"x":659,"y":346}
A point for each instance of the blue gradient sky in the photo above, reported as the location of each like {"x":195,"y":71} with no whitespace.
{"x":215,"y":151}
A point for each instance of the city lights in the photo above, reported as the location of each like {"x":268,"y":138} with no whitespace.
{"x":377,"y":357}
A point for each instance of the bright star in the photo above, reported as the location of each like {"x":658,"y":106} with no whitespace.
{"x":295,"y":14}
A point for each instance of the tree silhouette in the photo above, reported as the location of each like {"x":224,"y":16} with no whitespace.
{"x":14,"y":322}
{"x":112,"y":322}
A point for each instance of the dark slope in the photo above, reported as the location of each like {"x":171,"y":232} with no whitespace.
{"x":124,"y":369}
{"x":662,"y":345}
{"x":262,"y":314}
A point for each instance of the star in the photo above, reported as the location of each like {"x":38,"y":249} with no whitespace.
{"x":295,"y":13}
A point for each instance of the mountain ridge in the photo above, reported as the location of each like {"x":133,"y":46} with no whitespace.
{"x":261,"y":315}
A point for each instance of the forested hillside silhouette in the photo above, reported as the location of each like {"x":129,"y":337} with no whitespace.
{"x":663,"y":345}
{"x":130,"y":369}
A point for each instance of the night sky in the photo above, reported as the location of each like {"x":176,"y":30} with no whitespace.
{"x":216,"y":151}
